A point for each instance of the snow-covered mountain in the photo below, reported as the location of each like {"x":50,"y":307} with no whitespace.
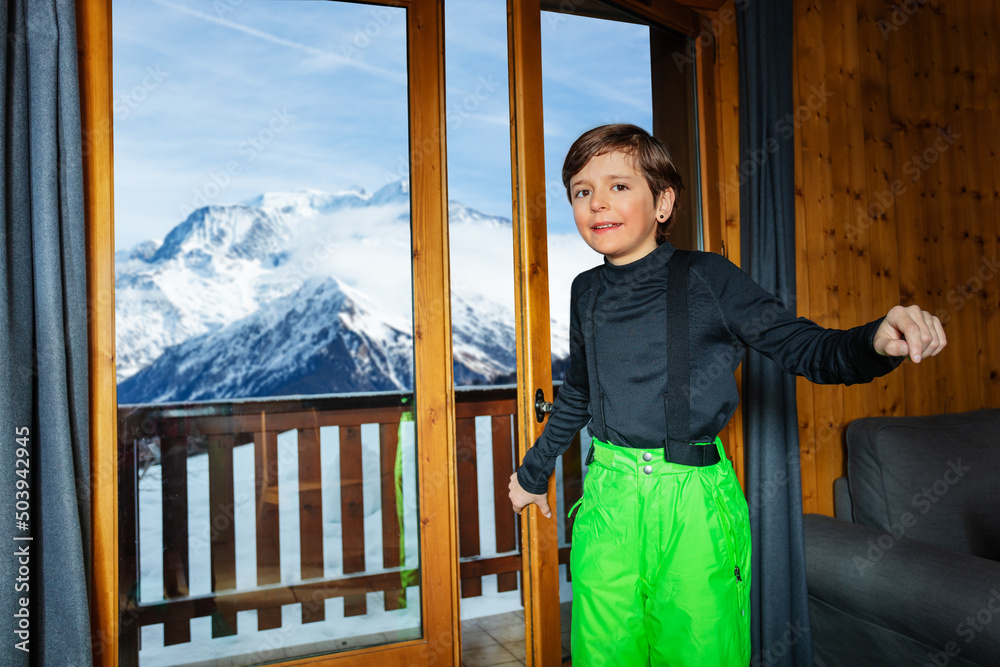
{"x":309,"y":292}
{"x":319,"y":339}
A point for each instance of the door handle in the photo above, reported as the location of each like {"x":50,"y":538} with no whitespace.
{"x":541,"y":405}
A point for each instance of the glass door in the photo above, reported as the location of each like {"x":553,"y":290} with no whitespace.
{"x":562,"y":86}
{"x":294,"y":467}
{"x":281,"y":315}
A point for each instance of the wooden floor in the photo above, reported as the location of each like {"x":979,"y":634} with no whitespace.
{"x":498,"y":641}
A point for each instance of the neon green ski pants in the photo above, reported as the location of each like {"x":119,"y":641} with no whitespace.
{"x":660,"y":563}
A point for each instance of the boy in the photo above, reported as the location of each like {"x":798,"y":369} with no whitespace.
{"x":661,"y":543}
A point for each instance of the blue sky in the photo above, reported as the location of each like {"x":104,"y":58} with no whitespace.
{"x":216,"y":102}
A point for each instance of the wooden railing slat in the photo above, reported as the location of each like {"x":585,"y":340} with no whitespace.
{"x":504,"y":517}
{"x":572,"y":468}
{"x":311,"y":515}
{"x":392,"y":511}
{"x":221,"y":516}
{"x":572,"y":483}
{"x":268,"y":546}
{"x":173,"y":475}
{"x":352,"y":513}
{"x":128,"y":542}
{"x":468,"y":501}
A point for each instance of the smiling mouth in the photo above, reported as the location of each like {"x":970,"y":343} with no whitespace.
{"x":607,"y":225}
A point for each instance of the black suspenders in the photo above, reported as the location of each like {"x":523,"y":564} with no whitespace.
{"x":676,"y":446}
{"x":677,"y":403}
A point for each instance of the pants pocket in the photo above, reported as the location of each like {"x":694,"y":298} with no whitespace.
{"x":728,"y":530}
{"x":737,"y":564}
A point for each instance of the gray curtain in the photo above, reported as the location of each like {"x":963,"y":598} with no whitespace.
{"x":43,"y":344}
{"x":779,"y":603}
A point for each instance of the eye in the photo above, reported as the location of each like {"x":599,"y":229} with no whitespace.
{"x":619,"y":187}
{"x":581,"y":193}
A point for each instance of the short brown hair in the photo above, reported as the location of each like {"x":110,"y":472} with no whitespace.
{"x":650,"y":157}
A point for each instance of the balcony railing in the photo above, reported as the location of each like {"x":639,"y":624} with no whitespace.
{"x":168,"y":436}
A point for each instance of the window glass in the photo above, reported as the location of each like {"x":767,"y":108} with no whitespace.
{"x":264,"y":330}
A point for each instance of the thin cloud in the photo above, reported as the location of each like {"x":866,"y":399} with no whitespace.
{"x":325,"y":58}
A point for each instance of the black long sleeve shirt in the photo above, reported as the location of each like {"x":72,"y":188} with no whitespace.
{"x":617,"y":379}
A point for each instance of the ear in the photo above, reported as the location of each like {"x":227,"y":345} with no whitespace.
{"x":665,"y":205}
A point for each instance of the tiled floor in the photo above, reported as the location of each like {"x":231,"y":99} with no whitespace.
{"x":498,"y":641}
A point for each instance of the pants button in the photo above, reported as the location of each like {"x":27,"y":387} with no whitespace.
{"x":647,"y":457}
{"x":648,"y":470}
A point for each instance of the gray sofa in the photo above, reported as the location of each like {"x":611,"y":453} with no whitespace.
{"x":909,"y":571}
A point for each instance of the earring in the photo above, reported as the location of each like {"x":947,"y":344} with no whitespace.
{"x":661,"y":216}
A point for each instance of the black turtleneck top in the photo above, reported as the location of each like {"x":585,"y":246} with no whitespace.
{"x":621,"y":394}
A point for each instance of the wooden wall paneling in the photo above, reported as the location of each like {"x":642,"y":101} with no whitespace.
{"x":982,"y":37}
{"x":965,"y":229}
{"x":803,"y":389}
{"x":851,"y":265}
{"x":969,"y":233}
{"x":724,"y":183}
{"x":947,"y":221}
{"x":820,"y":241}
{"x":872,"y":213}
{"x":902,"y":84}
{"x":960,"y":38}
{"x":920,"y":217}
{"x":860,"y":399}
{"x":944,"y":258}
{"x":825,"y":246}
{"x":986,"y":21}
{"x":991,"y":18}
{"x":983,"y":180}
{"x":963,"y":219}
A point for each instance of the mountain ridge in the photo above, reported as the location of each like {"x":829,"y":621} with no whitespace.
{"x":192,"y":307}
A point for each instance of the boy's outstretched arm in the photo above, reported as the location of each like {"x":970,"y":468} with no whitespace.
{"x":910,"y":332}
{"x":520,"y":498}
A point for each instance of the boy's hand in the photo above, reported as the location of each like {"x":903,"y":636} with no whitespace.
{"x":909,"y":332}
{"x":520,"y":498}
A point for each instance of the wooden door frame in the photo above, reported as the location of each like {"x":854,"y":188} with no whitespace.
{"x":433,"y":372}
{"x":718,"y":145}
{"x":539,"y":537}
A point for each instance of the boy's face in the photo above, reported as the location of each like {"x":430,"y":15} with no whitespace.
{"x":615,"y":212}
